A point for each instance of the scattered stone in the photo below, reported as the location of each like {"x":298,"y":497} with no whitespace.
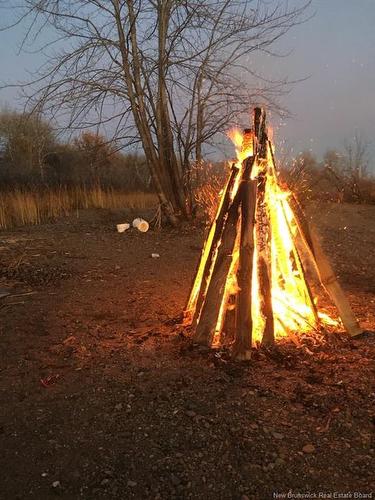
{"x":132,"y":484}
{"x":56,"y":484}
{"x":104,"y":482}
{"x":118,"y":406}
{"x":278,"y":435}
{"x":308,"y":448}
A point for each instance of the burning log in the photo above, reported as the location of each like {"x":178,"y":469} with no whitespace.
{"x":260,"y":132}
{"x":263,"y":238}
{"x":325,"y":272}
{"x":301,"y":271}
{"x":209,"y":317}
{"x":204,"y":269}
{"x":296,"y":255}
{"x":244,"y":323}
{"x":263,"y":230}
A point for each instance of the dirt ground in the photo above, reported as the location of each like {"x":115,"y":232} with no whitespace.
{"x":102,"y":395}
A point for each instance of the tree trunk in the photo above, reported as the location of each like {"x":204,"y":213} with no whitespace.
{"x":167,"y":156}
{"x":133,"y":81}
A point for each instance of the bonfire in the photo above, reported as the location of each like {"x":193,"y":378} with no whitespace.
{"x":251,"y":282}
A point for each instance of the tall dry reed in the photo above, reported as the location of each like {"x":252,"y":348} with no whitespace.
{"x":25,"y":207}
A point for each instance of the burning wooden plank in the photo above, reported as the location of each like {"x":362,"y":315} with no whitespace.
{"x":263,"y":230}
{"x":244,"y":323}
{"x":209,"y":317}
{"x":202,"y":279}
{"x":325,"y":272}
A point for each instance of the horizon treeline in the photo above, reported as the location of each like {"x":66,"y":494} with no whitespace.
{"x":32,"y":156}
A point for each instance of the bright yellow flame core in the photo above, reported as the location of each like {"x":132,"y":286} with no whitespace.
{"x":237,"y":137}
{"x":292,"y":306}
{"x":292,"y":303}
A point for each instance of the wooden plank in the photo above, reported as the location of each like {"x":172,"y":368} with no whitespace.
{"x":257,"y":119}
{"x":263,"y":232}
{"x":206,"y":325}
{"x":325,"y":271}
{"x":196,"y":298}
{"x":244,"y":324}
{"x":296,"y":254}
{"x":301,"y":271}
{"x":260,"y":132}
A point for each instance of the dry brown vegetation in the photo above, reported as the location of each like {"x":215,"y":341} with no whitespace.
{"x":341,"y":176}
{"x":29,"y":207}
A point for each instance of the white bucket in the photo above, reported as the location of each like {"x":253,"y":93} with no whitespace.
{"x":121,"y":228}
{"x":141,"y":224}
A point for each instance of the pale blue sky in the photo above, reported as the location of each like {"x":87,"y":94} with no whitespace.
{"x":335,"y":50}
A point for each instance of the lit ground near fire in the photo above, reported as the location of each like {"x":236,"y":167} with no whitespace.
{"x":101,"y":395}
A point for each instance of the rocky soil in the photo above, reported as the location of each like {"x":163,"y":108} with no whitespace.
{"x":102,"y":395}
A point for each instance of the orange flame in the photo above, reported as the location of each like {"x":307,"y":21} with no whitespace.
{"x":243,"y":144}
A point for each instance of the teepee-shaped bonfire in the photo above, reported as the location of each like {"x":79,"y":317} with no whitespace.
{"x":251,"y":279}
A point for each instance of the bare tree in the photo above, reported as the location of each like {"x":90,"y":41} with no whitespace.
{"x":97,"y":153}
{"x":356,"y":158}
{"x":26,"y":141}
{"x":349,"y":169}
{"x":355,"y":165}
{"x":168,"y":74}
{"x":333,"y":170}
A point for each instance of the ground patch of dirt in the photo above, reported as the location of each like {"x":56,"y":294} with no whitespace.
{"x":103,"y":396}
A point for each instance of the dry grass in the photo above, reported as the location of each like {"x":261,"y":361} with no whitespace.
{"x":22,"y":207}
{"x":207,"y":198}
